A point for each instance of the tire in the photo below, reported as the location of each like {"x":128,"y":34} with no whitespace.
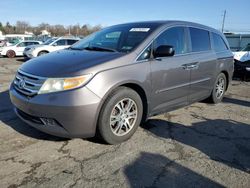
{"x":42,"y":53}
{"x":124,"y":121}
{"x":219,"y":89}
{"x":11,"y":54}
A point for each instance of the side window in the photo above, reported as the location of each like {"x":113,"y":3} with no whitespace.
{"x":145,"y":54}
{"x":61,"y":42}
{"x":22,"y":44}
{"x":30,"y":43}
{"x":219,"y":44}
{"x":200,"y":40}
{"x":70,"y":42}
{"x":174,"y":37}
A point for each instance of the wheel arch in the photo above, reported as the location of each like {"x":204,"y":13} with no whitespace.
{"x":132,"y":85}
{"x":227,"y":77}
{"x":42,"y":51}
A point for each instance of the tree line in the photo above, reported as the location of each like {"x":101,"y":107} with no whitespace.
{"x":56,"y":30}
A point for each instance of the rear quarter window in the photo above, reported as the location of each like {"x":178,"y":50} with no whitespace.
{"x":200,"y":39}
{"x":219,"y":43}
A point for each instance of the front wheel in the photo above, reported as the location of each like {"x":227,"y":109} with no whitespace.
{"x":42,"y":53}
{"x":11,"y":54}
{"x":219,"y":89}
{"x":120,"y":116}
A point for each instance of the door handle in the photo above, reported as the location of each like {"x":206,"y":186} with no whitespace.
{"x":190,"y":66}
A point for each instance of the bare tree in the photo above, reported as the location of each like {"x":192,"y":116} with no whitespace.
{"x":22,"y":26}
{"x":55,"y":30}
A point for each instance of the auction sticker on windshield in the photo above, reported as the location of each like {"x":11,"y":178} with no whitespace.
{"x":139,"y":29}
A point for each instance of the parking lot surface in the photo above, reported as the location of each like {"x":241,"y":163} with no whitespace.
{"x":202,"y":145}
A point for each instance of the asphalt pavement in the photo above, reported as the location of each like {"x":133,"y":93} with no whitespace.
{"x":202,"y":145}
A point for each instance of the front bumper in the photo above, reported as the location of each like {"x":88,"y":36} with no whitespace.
{"x":28,"y":54}
{"x":242,"y":69}
{"x":74,"y":112}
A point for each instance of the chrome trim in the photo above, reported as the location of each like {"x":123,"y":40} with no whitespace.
{"x":32,"y":83}
{"x":31,"y":75}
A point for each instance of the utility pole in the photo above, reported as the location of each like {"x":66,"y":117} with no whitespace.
{"x":223,"y":22}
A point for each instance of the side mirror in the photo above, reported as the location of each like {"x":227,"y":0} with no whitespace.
{"x":164,"y":51}
{"x":55,"y":44}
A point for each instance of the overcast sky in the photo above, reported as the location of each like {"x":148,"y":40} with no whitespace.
{"x":110,"y":12}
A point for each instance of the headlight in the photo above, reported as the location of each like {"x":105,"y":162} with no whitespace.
{"x":61,"y":84}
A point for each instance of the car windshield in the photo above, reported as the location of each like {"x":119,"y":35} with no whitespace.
{"x":49,"y":41}
{"x":121,"y":38}
{"x":247,"y":48}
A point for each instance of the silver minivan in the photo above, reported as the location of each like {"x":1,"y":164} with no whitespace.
{"x":113,"y":80}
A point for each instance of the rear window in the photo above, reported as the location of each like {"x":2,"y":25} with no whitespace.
{"x":219,"y":44}
{"x":200,"y":40}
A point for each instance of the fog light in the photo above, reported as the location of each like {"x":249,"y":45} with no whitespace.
{"x":48,"y":121}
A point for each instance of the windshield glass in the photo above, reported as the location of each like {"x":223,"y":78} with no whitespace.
{"x":121,"y":38}
{"x":247,"y":48}
{"x":49,"y":41}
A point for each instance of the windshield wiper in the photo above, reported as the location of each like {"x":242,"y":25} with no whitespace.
{"x":98,"y":48}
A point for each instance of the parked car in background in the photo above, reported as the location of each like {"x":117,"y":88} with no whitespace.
{"x":17,"y":49}
{"x":3,"y":43}
{"x":242,"y":63}
{"x":51,"y":45}
{"x":110,"y":82}
{"x":243,"y":55}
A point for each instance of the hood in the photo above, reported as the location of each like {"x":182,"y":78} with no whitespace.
{"x":242,"y":56}
{"x":38,"y":45}
{"x":65,"y":63}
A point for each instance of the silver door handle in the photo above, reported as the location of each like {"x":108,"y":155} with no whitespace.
{"x":188,"y":67}
{"x":192,"y":66}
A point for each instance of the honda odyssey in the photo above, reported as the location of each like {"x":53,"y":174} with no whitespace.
{"x":111,"y":81}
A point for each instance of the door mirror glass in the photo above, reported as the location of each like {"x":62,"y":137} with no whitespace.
{"x":164,"y":51}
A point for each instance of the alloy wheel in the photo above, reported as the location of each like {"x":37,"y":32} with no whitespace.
{"x":123,"y":117}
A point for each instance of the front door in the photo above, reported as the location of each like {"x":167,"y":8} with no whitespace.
{"x":170,"y":79}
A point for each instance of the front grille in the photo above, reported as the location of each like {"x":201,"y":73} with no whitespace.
{"x":28,"y":84}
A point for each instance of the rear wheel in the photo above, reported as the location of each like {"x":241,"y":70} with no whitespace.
{"x":11,"y":54}
{"x":42,"y":53}
{"x":120,"y":116}
{"x":219,"y":89}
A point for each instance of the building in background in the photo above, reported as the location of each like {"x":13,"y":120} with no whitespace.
{"x":237,"y":41}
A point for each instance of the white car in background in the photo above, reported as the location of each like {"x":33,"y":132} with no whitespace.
{"x":17,"y":49}
{"x":50,"y":45}
{"x":243,"y":55}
